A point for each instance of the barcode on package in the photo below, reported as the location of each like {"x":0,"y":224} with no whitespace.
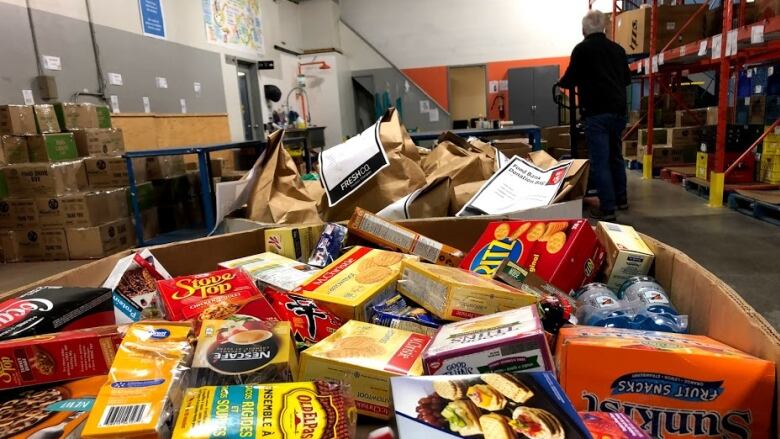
{"x":124,"y":415}
{"x":407,"y":241}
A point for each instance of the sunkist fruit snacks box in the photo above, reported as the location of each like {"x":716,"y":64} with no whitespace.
{"x":565,"y":253}
{"x":671,"y":385}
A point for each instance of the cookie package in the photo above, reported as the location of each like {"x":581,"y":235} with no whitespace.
{"x":310,"y":321}
{"x":134,"y":284}
{"x":493,"y":405}
{"x":270,"y":269}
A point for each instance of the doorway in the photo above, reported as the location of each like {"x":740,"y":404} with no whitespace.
{"x":365,"y":105}
{"x":468,"y":92}
{"x":249,"y":94}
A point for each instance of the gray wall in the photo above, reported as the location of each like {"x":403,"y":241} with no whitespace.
{"x":139,"y":59}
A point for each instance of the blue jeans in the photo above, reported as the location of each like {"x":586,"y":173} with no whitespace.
{"x":607,"y":168}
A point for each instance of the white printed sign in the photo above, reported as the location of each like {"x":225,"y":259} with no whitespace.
{"x":183,"y":103}
{"x":147,"y":104}
{"x":703,"y":48}
{"x":114,"y":104}
{"x":52,"y":62}
{"x":731,"y":42}
{"x":28,"y":97}
{"x":757,"y":34}
{"x":716,"y":40}
{"x":197,"y":88}
{"x":115,"y":79}
{"x":161,"y":82}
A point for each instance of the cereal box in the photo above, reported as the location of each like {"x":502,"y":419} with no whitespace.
{"x":144,"y":382}
{"x":604,"y":425}
{"x":509,"y":341}
{"x":277,"y":271}
{"x":627,"y":255}
{"x":365,"y":356}
{"x":52,"y":411}
{"x":214,"y":295}
{"x":294,"y":242}
{"x":454,"y":294}
{"x":565,"y":253}
{"x":310,"y":410}
{"x":60,"y":356}
{"x":355,"y":282}
{"x":671,"y":385}
{"x":490,"y":406}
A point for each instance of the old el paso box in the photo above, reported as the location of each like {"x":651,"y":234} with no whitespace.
{"x":565,"y":253}
{"x":671,"y":385}
{"x":509,"y":341}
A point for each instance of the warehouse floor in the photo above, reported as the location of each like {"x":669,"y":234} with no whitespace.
{"x":740,"y":250}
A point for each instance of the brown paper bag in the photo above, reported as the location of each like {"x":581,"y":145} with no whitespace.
{"x":402,"y":177}
{"x":460,"y":195}
{"x":575,"y":185}
{"x":432,"y":201}
{"x":278,"y":195}
{"x":485,"y":152}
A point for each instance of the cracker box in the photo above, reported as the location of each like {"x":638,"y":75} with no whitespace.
{"x":59,"y":356}
{"x":394,"y":237}
{"x":365,"y":356}
{"x":306,"y":410}
{"x":355,"y":282}
{"x":672,"y":385}
{"x":627,"y":255}
{"x":509,"y":341}
{"x":137,"y":399}
{"x":490,"y":406}
{"x":565,"y":253}
{"x":273,"y":270}
{"x":455,"y":294}
{"x":57,"y":411}
{"x":294,"y":242}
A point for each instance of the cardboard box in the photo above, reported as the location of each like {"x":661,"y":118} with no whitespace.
{"x":696,"y":116}
{"x":278,"y":272}
{"x":715,"y":387}
{"x":46,"y":119}
{"x":52,"y":147}
{"x":659,"y":136}
{"x":145,"y":196}
{"x":99,"y":141}
{"x":757,"y":110}
{"x":629,"y":148}
{"x":513,"y":147}
{"x":365,"y":356}
{"x":18,"y":120}
{"x":294,"y":242}
{"x":509,"y":341}
{"x":72,"y":116}
{"x":99,"y":241}
{"x":627,"y":253}
{"x":714,"y":18}
{"x":111,"y":171}
{"x":85,"y":209}
{"x":452,"y":293}
{"x":18,"y":213}
{"x":103,"y":116}
{"x":632,"y":29}
{"x":150,"y":223}
{"x":554,"y":136}
{"x":664,"y":155}
{"x":36,"y":179}
{"x":13,"y":149}
{"x":165,"y":166}
{"x":32,"y":243}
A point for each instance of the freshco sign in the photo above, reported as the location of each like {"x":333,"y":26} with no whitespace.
{"x":16,"y":311}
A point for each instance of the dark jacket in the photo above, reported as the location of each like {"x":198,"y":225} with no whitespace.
{"x":599,"y":69}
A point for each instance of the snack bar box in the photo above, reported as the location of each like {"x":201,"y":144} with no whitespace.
{"x":509,"y":341}
{"x":672,"y":385}
{"x":365,"y":356}
{"x":565,"y":253}
{"x":492,"y":405}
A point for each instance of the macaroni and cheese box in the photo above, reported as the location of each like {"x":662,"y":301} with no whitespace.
{"x":509,"y":341}
{"x":355,"y":282}
{"x":274,"y":270}
{"x":455,"y":294}
{"x":565,"y":253}
{"x":672,"y":385}
{"x":365,"y":356}
{"x":294,"y":242}
{"x":627,"y":255}
{"x":144,"y":383}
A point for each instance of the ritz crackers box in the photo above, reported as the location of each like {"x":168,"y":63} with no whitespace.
{"x":565,"y":253}
{"x":671,"y":385}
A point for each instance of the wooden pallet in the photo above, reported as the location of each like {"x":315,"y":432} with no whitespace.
{"x":702,"y":187}
{"x":755,"y":208}
{"x":697,"y":186}
{"x":676,"y":174}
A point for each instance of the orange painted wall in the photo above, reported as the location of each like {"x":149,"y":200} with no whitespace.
{"x":434,"y":81}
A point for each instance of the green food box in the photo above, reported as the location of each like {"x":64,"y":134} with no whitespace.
{"x":103,"y":116}
{"x":52,"y":147}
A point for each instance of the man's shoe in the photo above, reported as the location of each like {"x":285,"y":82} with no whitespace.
{"x":623,"y":206}
{"x":603,"y":215}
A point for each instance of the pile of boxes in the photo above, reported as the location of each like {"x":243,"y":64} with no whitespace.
{"x":557,"y":141}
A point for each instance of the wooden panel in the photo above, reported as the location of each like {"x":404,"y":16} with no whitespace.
{"x":468,"y":92}
{"x":139,"y":130}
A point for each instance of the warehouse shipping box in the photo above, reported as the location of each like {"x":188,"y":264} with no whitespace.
{"x":696,"y":116}
{"x":33,"y":244}
{"x":632,"y":29}
{"x":99,"y":241}
{"x":99,"y":141}
{"x":55,"y":147}
{"x":111,"y":171}
{"x":73,"y":116}
{"x":37,"y":179}
{"x":18,"y":120}
{"x":84,"y":209}
{"x":13,"y":149}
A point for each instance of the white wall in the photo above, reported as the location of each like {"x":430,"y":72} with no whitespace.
{"x":359,"y":54}
{"x":319,"y":24}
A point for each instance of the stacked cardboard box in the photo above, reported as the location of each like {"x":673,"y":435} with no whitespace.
{"x":738,"y":139}
{"x":632,"y":28}
{"x":62,"y":183}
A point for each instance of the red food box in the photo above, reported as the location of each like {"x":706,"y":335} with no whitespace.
{"x":310,"y":321}
{"x":565,"y":253}
{"x":611,"y":426}
{"x":56,"y":357}
{"x":215,"y":295}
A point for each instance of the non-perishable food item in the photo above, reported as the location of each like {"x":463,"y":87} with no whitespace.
{"x":44,"y":310}
{"x":98,"y":241}
{"x":355,"y":282}
{"x":18,"y":213}
{"x":310,"y":322}
{"x":163,"y":167}
{"x":491,"y":405}
{"x":273,"y":270}
{"x":565,"y":253}
{"x":50,"y":411}
{"x":213,"y":296}
{"x":37,"y":179}
{"x":671,"y":385}
{"x":13,"y":149}
{"x":233,"y":352}
{"x":134,"y":284}
{"x":111,"y":171}
{"x":627,"y":254}
{"x":509,"y":341}
{"x":73,"y":116}
{"x":144,"y":383}
{"x":99,"y":141}
{"x":397,"y":238}
{"x":329,"y":245}
{"x":33,"y":244}
{"x":365,"y":356}
{"x":604,"y":425}
{"x":82,"y":209}
{"x":395,"y":312}
{"x":54,"y":147}
{"x":18,"y":120}
{"x":306,"y":410}
{"x":46,"y":119}
{"x":455,"y":294}
{"x":294,"y":242}
{"x":59,"y":356}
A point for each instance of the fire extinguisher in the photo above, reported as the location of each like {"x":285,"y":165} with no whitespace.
{"x":499,"y":100}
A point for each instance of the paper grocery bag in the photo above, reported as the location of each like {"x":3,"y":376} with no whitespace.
{"x":401,"y":177}
{"x":430,"y":201}
{"x":575,"y":185}
{"x":279,"y":195}
{"x":460,"y":195}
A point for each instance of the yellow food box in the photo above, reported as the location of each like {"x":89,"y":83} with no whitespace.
{"x":455,"y":294}
{"x":627,"y":253}
{"x":355,"y":282}
{"x":144,"y":380}
{"x":365,"y":356}
{"x":294,"y":242}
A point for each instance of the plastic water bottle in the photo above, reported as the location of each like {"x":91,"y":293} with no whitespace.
{"x":643,"y":292}
{"x":597,"y":305}
{"x":649,"y":321}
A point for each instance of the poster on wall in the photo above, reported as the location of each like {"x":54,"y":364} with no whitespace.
{"x":234,"y":24}
{"x":152,"y":20}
